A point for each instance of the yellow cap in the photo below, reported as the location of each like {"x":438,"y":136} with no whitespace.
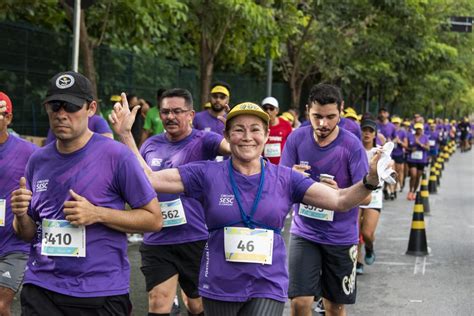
{"x":287,"y":116}
{"x":406,"y":123}
{"x":115,"y":98}
{"x":352,"y":115}
{"x":248,"y":108}
{"x":220,"y":89}
{"x":350,"y":110}
{"x":418,"y":126}
{"x":207,"y":105}
{"x":396,"y":119}
{"x":430,"y":121}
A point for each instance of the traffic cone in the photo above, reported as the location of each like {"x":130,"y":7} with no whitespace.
{"x":432,"y":187}
{"x":417,"y":245}
{"x":438,"y":173}
{"x":425,"y":194}
{"x":445,"y":155}
{"x":440,"y":160}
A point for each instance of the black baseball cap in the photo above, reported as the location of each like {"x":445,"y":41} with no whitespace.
{"x":71,"y":87}
{"x":369,"y":123}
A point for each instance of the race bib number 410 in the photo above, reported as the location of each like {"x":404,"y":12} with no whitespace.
{"x":242,"y":244}
{"x":60,"y":238}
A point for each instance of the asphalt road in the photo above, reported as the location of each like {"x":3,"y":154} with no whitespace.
{"x":397,"y":284}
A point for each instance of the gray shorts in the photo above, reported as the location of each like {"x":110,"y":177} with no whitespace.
{"x":12,"y":270}
{"x":322,"y":270}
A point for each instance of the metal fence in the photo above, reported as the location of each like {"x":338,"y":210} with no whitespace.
{"x":31,"y":56}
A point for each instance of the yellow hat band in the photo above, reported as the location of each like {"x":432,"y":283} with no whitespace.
{"x":248,"y":108}
{"x":221,"y":89}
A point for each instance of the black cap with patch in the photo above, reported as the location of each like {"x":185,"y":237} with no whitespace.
{"x":71,"y":87}
{"x":369,"y":123}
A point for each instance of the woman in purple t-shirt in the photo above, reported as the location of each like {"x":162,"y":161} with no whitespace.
{"x":418,"y":146}
{"x":246,"y":200}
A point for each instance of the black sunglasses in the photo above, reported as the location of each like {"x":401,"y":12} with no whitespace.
{"x":55,"y":106}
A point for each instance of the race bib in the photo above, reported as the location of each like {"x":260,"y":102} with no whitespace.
{"x":272,"y":150}
{"x":316,"y":213}
{"x":219,"y":158}
{"x":377,"y":199}
{"x":173,"y":213}
{"x":417,"y":155}
{"x":242,"y":244}
{"x":3,"y":206}
{"x":60,"y":238}
{"x":432,"y":143}
{"x":207,"y":129}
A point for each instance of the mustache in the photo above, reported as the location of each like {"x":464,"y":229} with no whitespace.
{"x":171,"y":122}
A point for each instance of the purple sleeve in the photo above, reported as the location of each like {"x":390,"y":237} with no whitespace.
{"x":299,"y":185}
{"x":131,"y":181}
{"x":29,"y":175}
{"x":289,"y":156}
{"x":212,"y":143}
{"x":192,"y":176}
{"x":99,"y":125}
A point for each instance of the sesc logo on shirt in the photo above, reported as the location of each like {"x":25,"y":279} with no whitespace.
{"x":41,"y":185}
{"x":156,"y":162}
{"x":226,"y":200}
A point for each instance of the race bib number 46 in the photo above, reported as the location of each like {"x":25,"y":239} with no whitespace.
{"x":316,"y":213}
{"x":60,"y":238}
{"x":3,"y":206}
{"x":173,"y":213}
{"x":247,"y":245}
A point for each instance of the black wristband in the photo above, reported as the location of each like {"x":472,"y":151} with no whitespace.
{"x":369,"y":186}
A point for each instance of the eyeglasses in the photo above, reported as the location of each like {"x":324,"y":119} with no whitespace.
{"x":269,"y":108}
{"x":55,"y":106}
{"x":176,"y":112}
{"x":219,"y":96}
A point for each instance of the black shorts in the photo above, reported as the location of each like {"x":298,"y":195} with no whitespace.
{"x":399,"y":159}
{"x":38,"y":301}
{"x":418,"y":165}
{"x":161,"y":262}
{"x":322,"y":270}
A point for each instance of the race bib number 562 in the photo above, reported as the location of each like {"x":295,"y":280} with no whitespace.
{"x":60,"y":238}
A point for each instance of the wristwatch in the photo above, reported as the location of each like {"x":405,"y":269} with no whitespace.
{"x":369,"y":186}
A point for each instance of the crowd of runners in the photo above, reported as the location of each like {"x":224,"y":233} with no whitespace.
{"x":209,"y":192}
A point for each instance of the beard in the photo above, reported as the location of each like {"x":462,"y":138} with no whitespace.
{"x":217,"y":107}
{"x":326,"y":132}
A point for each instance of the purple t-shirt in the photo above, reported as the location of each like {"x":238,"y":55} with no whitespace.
{"x":107,"y":174}
{"x":96,"y":123}
{"x":398,"y":149}
{"x":206,"y":122}
{"x":346,"y":160}
{"x":14,"y":154}
{"x":351,"y":126}
{"x":209,"y":183}
{"x":159,"y":153}
{"x":434,"y":138}
{"x":388,"y":130}
{"x":417,"y":154}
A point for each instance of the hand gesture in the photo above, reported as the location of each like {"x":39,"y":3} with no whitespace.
{"x":227,"y":110}
{"x":373,"y":176}
{"x":301,"y":169}
{"x":80,"y":211}
{"x":20,"y":199}
{"x":121,"y":117}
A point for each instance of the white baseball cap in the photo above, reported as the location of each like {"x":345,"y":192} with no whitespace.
{"x":270,"y":100}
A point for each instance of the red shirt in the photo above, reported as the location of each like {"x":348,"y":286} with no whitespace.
{"x":276,"y":140}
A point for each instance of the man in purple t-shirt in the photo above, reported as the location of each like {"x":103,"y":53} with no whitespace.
{"x":323,"y":244}
{"x":71,"y":206}
{"x":14,"y":154}
{"x":174,"y":254}
{"x":207,"y":119}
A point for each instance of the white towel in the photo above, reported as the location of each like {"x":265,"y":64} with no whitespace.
{"x":385,"y":172}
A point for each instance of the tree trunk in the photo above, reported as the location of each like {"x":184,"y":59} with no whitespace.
{"x":87,"y":51}
{"x":295,"y":86}
{"x":207,"y":68}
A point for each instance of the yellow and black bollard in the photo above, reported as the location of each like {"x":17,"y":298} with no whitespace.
{"x":418,"y":245}
{"x":425,"y":194}
{"x":438,"y":173}
{"x":440,"y":160}
{"x":432,"y":186}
